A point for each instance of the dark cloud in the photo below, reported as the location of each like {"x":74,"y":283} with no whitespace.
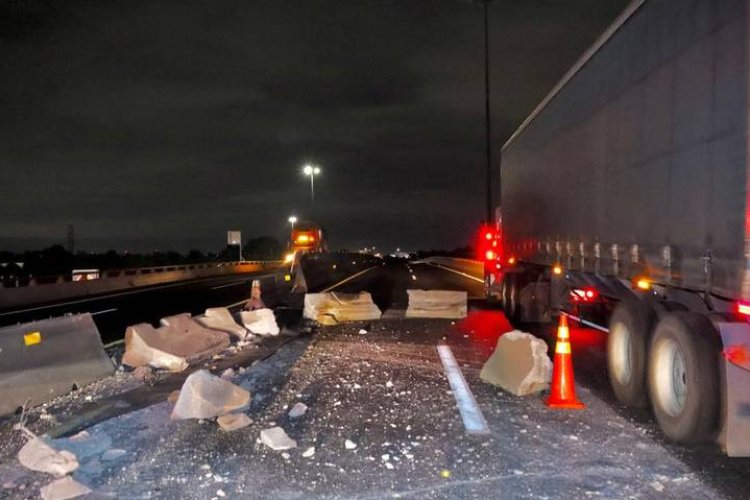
{"x":163,"y":123}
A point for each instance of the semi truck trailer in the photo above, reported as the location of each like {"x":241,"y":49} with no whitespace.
{"x":625,"y":203}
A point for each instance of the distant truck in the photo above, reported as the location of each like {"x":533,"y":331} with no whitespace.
{"x":626,"y":203}
{"x":308,"y":237}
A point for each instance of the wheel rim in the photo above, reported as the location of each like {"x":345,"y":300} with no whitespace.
{"x":621,"y":358}
{"x":671,"y":377}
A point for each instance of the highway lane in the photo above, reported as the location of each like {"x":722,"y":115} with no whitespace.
{"x":115,"y":311}
{"x":388,"y":283}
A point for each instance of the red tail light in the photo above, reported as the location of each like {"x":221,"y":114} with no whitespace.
{"x":743,"y":308}
{"x":584,"y":295}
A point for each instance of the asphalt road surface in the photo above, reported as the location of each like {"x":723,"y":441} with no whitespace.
{"x":383,"y":421}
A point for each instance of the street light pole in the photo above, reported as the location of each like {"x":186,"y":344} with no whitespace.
{"x":488,"y":136}
{"x":312,"y":172}
{"x":292,"y":220}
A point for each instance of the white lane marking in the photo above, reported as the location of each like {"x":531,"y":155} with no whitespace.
{"x":104,"y":312}
{"x":230,"y":284}
{"x":457,"y":272}
{"x":121,"y":294}
{"x":348,"y":279}
{"x":474,"y":421}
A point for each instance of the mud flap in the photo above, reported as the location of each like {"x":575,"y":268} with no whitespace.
{"x":535,"y":307}
{"x":44,"y":359}
{"x":735,"y":416}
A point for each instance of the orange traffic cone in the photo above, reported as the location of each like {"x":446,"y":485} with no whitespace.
{"x":563,"y":393}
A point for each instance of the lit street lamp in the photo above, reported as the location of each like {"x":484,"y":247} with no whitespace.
{"x":312,"y":172}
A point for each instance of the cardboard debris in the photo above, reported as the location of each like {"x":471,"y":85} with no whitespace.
{"x":204,"y":395}
{"x":436,"y":304}
{"x":276,"y":439}
{"x":62,"y":489}
{"x":147,"y":346}
{"x":233,"y":421}
{"x":260,"y":322}
{"x":330,"y":308}
{"x":219,"y":318}
{"x":519,"y":365}
{"x":39,"y":456}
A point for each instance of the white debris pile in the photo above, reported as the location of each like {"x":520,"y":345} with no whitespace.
{"x":277,"y":439}
{"x":64,"y":488}
{"x":330,"y":308}
{"x":233,"y":421}
{"x":204,"y":395}
{"x":219,"y":318}
{"x":519,"y":365}
{"x":436,"y":304}
{"x":260,"y":322}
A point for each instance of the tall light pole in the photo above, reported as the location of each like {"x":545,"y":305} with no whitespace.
{"x":311,"y":171}
{"x":487,"y":107}
{"x":292,"y":219}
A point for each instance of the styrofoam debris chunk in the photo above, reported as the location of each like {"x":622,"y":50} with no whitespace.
{"x":219,"y":318}
{"x":436,"y":304}
{"x":39,"y":456}
{"x":349,"y":444}
{"x":277,"y":439}
{"x":330,"y":308}
{"x":298,"y":410}
{"x":204,"y":395}
{"x":309,"y":452}
{"x":260,"y":322}
{"x":228,"y":373}
{"x":519,"y":364}
{"x":233,"y":421}
{"x":64,"y":488}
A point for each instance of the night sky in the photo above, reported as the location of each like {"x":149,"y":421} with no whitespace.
{"x":161,"y":124}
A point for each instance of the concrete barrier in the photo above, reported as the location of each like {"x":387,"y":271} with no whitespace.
{"x":45,"y":359}
{"x":59,"y":289}
{"x":330,"y":308}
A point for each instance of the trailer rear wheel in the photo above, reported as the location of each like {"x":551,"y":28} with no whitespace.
{"x":627,"y":341}
{"x":683,"y":377}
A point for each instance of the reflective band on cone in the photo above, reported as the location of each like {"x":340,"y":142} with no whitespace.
{"x":563,"y":391}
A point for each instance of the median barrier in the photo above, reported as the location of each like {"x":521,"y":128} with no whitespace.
{"x":59,"y":289}
{"x":45,"y":359}
{"x":436,"y":304}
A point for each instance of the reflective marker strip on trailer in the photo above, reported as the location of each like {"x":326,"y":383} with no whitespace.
{"x":474,"y":421}
{"x":584,"y":322}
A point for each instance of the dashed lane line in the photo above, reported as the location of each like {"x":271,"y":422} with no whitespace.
{"x":349,"y":279}
{"x":472,"y":416}
{"x":456,"y":272}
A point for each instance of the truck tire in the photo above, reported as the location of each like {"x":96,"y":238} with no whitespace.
{"x":627,"y":343}
{"x":683,"y":377}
